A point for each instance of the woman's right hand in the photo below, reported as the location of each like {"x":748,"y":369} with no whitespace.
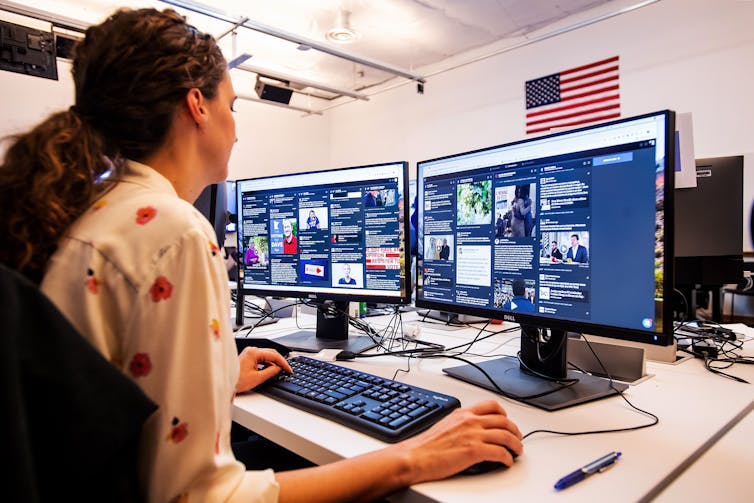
{"x":463,"y":438}
{"x":482,"y":432}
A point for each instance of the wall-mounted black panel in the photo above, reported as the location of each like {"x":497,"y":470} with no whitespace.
{"x":28,"y":51}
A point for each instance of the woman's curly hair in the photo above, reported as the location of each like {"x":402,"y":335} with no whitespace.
{"x":130,"y":72}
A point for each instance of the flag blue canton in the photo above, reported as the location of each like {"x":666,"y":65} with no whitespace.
{"x":543,"y":91}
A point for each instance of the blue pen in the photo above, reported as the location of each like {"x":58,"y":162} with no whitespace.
{"x":583,"y":472}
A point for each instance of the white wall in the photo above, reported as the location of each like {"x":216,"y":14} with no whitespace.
{"x":270,"y":140}
{"x":274,"y":140}
{"x":688,"y":55}
{"x":25,"y":100}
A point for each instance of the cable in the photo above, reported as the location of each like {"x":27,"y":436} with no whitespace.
{"x":506,"y":394}
{"x":654,"y":421}
{"x":265,"y":315}
{"x":543,"y":376}
{"x":717,"y":347}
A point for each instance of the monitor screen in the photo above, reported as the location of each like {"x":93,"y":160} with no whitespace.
{"x":563,"y":232}
{"x":336,"y":235}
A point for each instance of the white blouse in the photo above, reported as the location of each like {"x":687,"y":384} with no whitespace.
{"x":140,"y":274}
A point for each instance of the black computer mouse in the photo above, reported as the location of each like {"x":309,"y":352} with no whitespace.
{"x":482,"y":467}
{"x":486,"y":466}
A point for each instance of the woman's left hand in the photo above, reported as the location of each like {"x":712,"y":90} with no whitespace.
{"x":250,"y":360}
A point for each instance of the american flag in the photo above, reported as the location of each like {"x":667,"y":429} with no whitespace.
{"x":587,"y":93}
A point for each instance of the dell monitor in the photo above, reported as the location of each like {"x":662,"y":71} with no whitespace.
{"x":330,"y":237}
{"x":560,"y":233}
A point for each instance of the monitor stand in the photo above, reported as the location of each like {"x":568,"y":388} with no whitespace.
{"x":240,"y":319}
{"x":253,"y":321}
{"x":331,"y":332}
{"x":521,"y":384}
{"x":450,"y":317}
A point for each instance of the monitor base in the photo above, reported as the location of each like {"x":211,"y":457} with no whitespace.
{"x":509,"y":376}
{"x":450,"y":317}
{"x":307,"y":342}
{"x":254,"y":322}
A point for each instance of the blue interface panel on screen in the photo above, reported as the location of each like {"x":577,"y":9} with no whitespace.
{"x":559,"y":233}
{"x":328,"y":236}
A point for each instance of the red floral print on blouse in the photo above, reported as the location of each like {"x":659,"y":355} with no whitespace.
{"x":213,"y":247}
{"x":92,"y":283}
{"x":144,"y":215}
{"x":178,"y":431}
{"x":215,"y":327}
{"x":140,"y":365}
{"x":161,"y":289}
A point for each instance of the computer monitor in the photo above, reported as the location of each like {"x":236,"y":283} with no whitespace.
{"x":212,"y":203}
{"x":561,"y":233}
{"x":331,"y":237}
{"x":709,"y":231}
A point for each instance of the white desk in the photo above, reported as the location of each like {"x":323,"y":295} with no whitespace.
{"x":693,"y":406}
{"x":723,"y":473}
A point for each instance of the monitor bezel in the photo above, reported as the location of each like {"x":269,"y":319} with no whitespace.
{"x":348,"y":295}
{"x":664,"y":338}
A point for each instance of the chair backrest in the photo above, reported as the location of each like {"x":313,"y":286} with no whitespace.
{"x":72,"y":420}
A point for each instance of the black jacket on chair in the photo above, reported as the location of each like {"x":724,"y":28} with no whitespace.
{"x":70,"y":419}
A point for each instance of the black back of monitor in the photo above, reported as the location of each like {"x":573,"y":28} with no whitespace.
{"x":212,"y":203}
{"x":709,"y":224}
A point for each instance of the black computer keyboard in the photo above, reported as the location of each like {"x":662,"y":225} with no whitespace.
{"x":382,"y":408}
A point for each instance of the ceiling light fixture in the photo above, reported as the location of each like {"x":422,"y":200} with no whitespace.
{"x":342,"y":33}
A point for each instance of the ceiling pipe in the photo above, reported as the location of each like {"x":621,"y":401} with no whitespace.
{"x":292,"y":37}
{"x":48,"y":17}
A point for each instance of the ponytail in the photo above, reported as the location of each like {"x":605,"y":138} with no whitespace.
{"x":47,"y":180}
{"x":131,"y":72}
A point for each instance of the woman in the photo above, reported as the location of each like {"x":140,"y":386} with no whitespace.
{"x":252,"y":257}
{"x":313,"y":221}
{"x":137,"y":269}
{"x":522,"y":222}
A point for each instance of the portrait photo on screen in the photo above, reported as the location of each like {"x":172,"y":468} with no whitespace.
{"x":283,"y":240}
{"x":348,"y":275}
{"x":257,"y":252}
{"x":310,"y":219}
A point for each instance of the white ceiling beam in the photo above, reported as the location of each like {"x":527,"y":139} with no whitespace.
{"x":292,"y":37}
{"x":42,"y":15}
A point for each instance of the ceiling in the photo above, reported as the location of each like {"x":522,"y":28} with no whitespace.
{"x":407,"y":35}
